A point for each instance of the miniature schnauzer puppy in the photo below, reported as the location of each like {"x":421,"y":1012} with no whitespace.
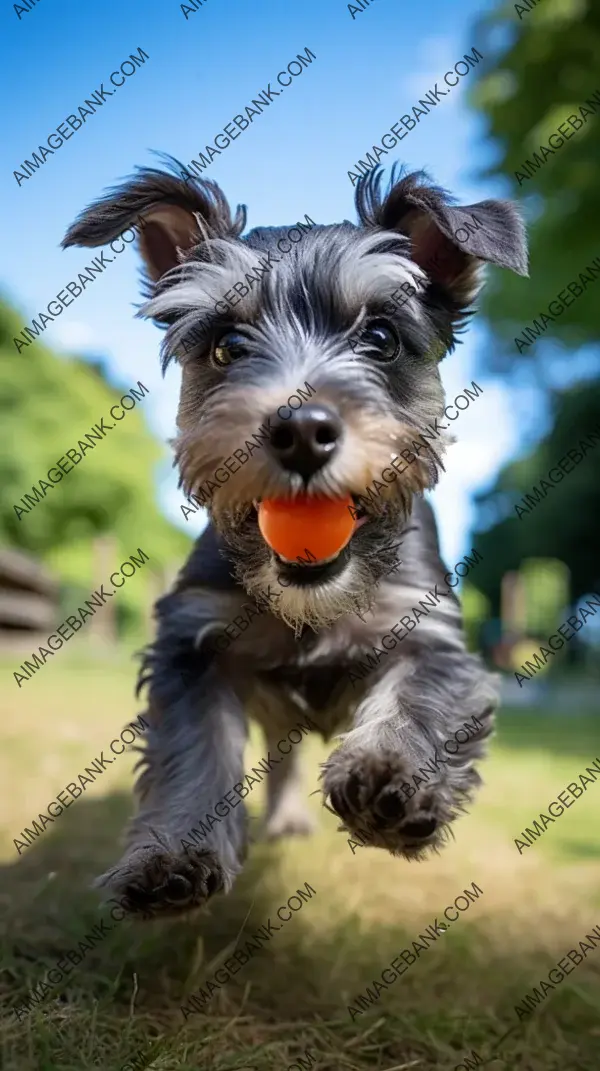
{"x":321,"y":315}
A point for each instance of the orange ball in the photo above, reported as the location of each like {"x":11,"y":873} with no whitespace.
{"x":293,"y":526}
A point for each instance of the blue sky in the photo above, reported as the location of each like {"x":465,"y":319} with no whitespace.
{"x":292,"y":160}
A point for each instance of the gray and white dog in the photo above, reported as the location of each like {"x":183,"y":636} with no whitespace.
{"x":321,"y":315}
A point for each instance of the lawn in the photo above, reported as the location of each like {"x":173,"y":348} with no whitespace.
{"x":293,"y":996}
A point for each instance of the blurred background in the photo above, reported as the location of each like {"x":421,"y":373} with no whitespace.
{"x":539,"y":66}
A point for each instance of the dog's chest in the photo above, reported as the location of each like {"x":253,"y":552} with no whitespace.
{"x":317,"y":685}
{"x":280,"y":696}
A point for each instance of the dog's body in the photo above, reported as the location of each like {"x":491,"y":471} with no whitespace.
{"x":311,"y":624}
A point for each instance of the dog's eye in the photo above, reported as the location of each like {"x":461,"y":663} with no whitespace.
{"x":382,"y":339}
{"x":229,"y":348}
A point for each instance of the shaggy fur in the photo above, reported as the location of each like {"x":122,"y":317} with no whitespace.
{"x":298,"y":325}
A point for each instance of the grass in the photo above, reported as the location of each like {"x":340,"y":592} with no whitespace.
{"x":368,"y":907}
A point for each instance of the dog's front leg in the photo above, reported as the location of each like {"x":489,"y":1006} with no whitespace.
{"x":287,"y":812}
{"x":189,"y":838}
{"x":393,"y":781}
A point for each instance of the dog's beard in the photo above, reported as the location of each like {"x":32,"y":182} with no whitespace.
{"x":374,"y":551}
{"x":319,"y":605}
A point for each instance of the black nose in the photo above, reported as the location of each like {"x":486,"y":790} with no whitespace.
{"x":305,"y":441}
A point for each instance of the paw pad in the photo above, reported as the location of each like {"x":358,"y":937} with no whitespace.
{"x":367,"y":792}
{"x":157,"y":882}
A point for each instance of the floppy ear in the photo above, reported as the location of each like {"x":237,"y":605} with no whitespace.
{"x":448,"y":241}
{"x":176,"y":215}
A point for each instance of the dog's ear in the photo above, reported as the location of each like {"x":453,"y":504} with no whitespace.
{"x":174,"y":213}
{"x":448,"y":241}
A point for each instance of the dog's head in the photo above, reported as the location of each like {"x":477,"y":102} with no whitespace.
{"x":309,"y":356}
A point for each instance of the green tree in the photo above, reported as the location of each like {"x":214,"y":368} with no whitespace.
{"x":564,"y":524}
{"x":47,"y":404}
{"x":546,"y":68}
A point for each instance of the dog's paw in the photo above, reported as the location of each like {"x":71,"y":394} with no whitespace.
{"x":366,"y":791}
{"x":289,"y":822}
{"x":155,"y":881}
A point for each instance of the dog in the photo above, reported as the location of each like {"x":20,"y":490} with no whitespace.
{"x":320,"y":316}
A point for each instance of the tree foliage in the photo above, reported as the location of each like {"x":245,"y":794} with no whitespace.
{"x":547,"y":68}
{"x":564,"y":524}
{"x":47,"y":404}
